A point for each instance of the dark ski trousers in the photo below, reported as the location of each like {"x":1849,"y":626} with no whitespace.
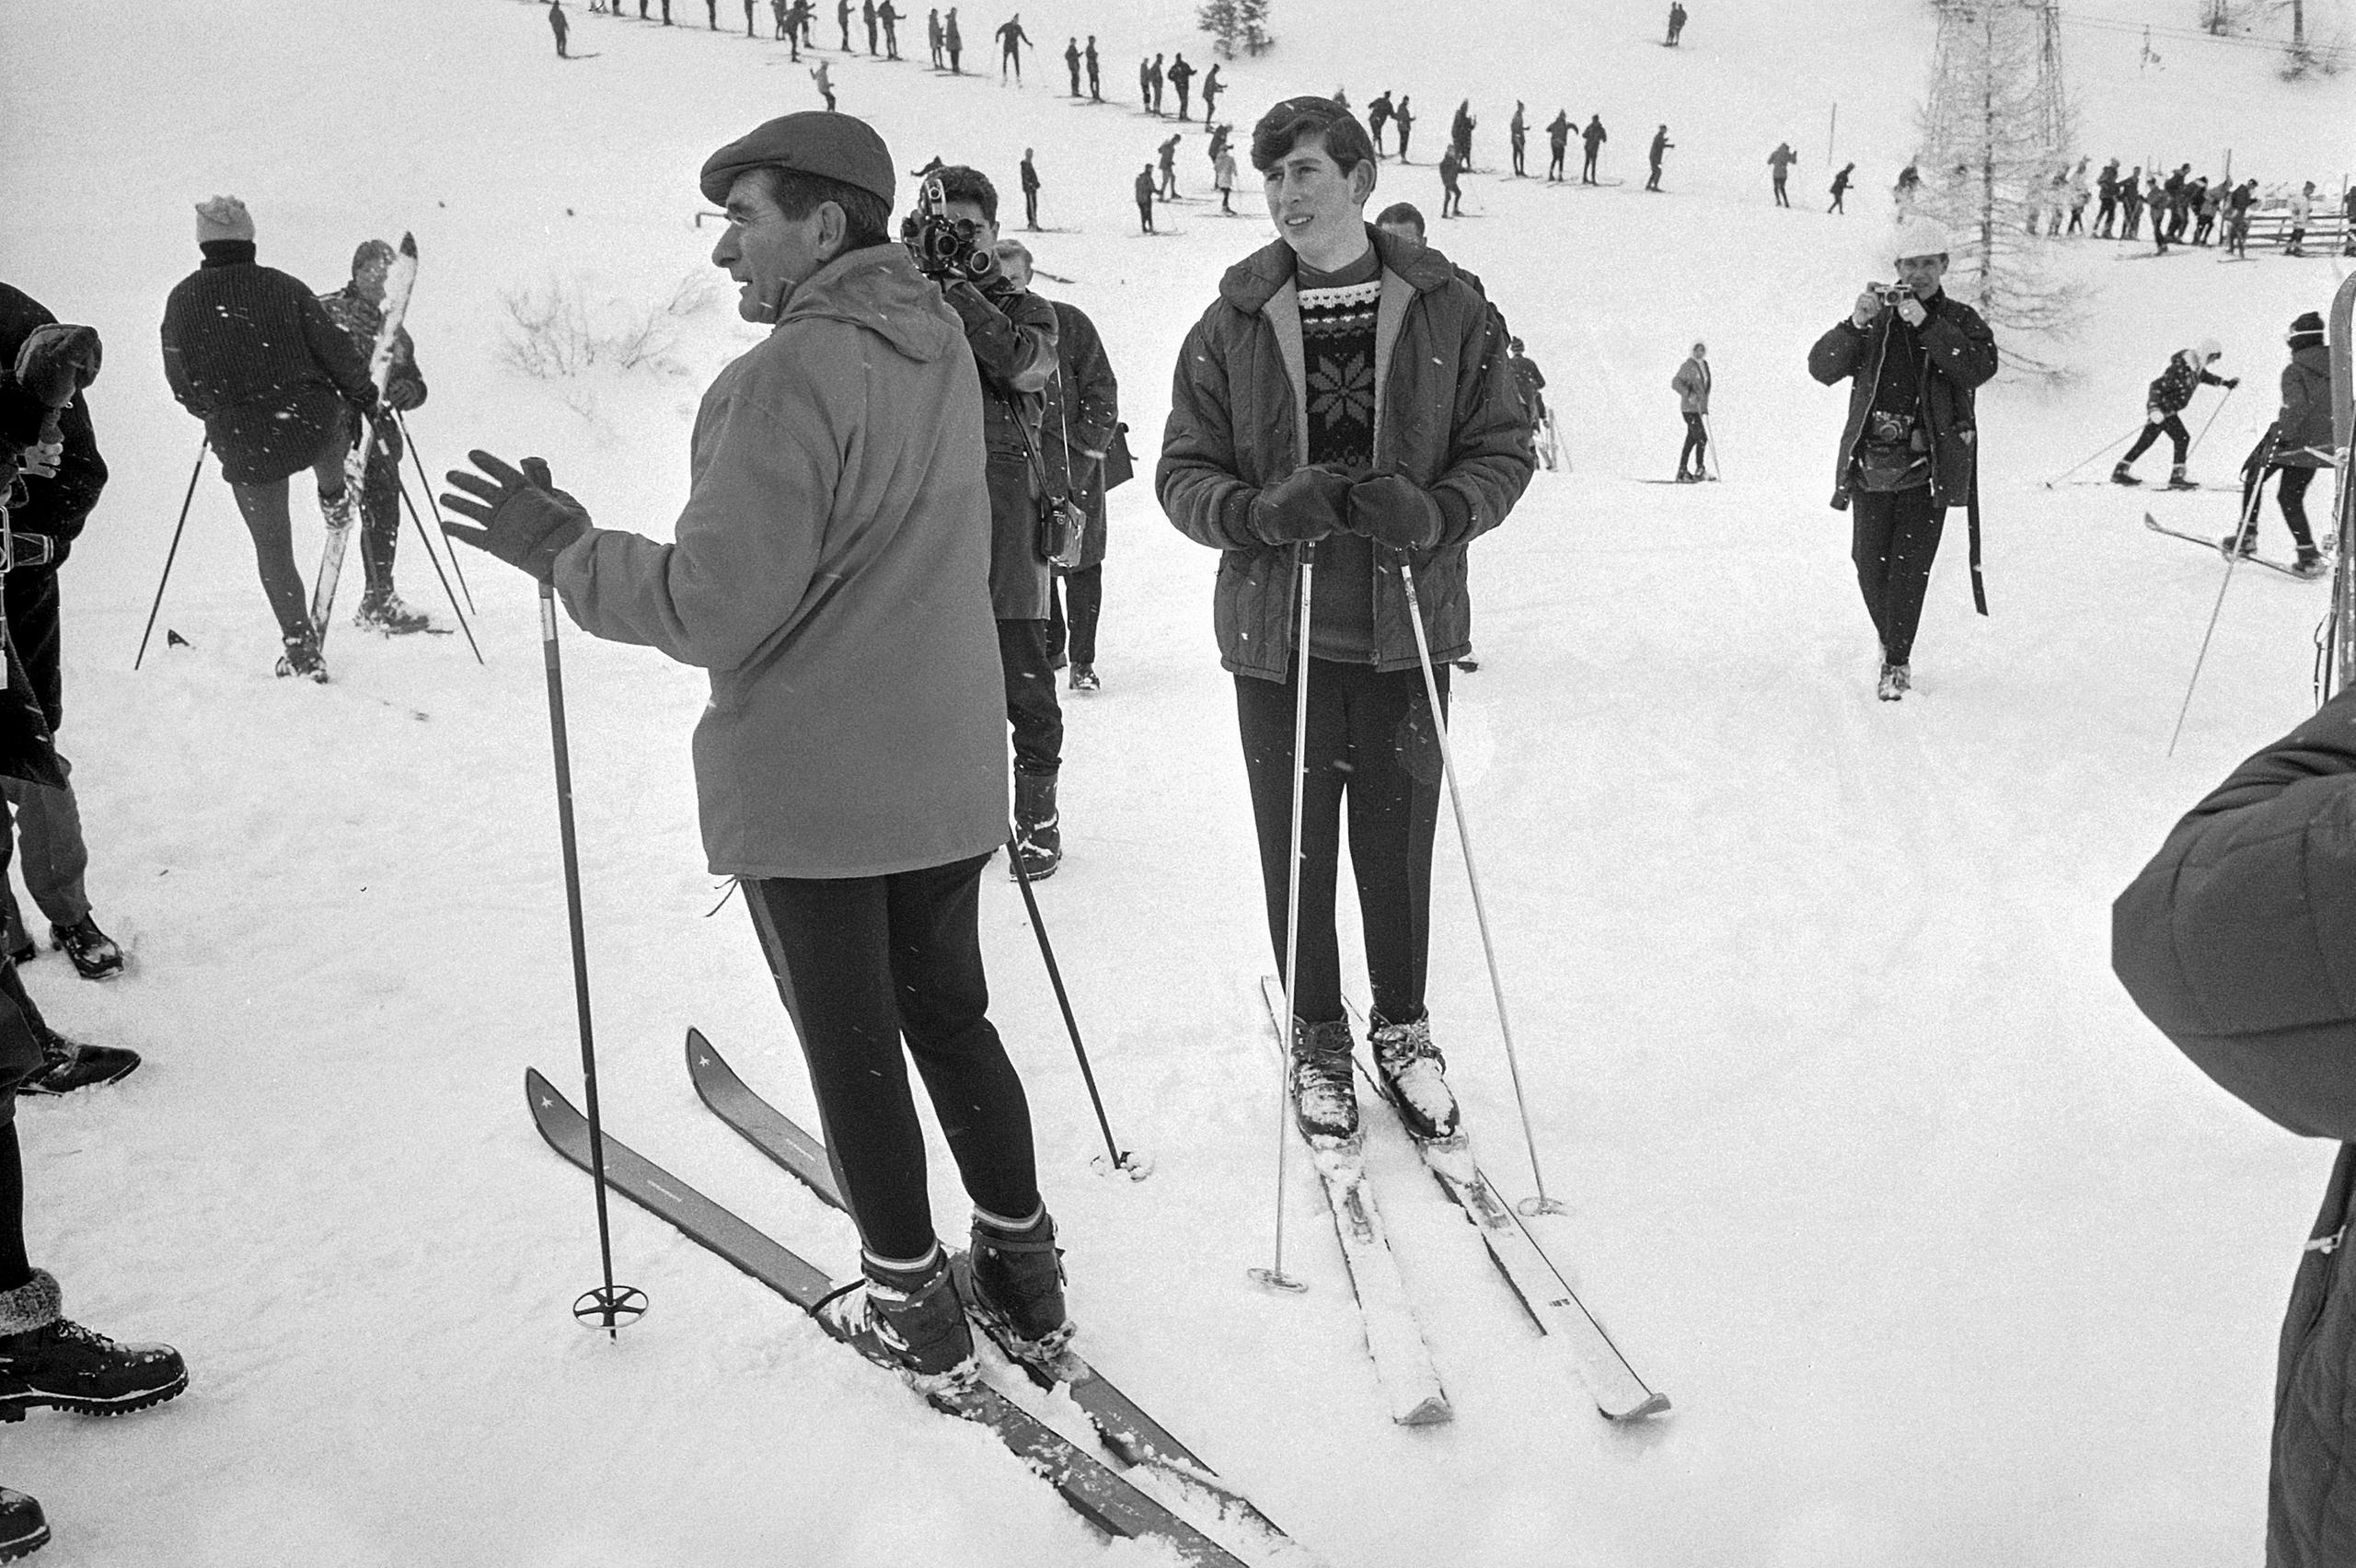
{"x":1697,"y":441}
{"x":1894,"y":540}
{"x":864,"y":965}
{"x":2290,"y":494}
{"x":1371,"y":745}
{"x":1085,"y":590}
{"x":263,"y":507}
{"x":2180,"y":438}
{"x":1586,"y":168}
{"x":1030,"y":706}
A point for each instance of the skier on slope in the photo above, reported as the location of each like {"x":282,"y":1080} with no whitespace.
{"x":2302,"y":209}
{"x":559,"y":26}
{"x":1518,"y":133}
{"x":1840,"y":187}
{"x":1781,"y":161}
{"x":1662,"y":145}
{"x":1212,"y":88}
{"x":2107,"y":200}
{"x":1029,"y":182}
{"x":1154,"y":78}
{"x":1010,"y":39}
{"x":1182,"y":76}
{"x":830,"y":571}
{"x":2167,"y":399}
{"x":1403,"y":119}
{"x":1451,"y":196}
{"x":1377,"y":115}
{"x":1691,"y":385}
{"x":357,"y":307}
{"x":820,"y":74}
{"x":1223,"y":175}
{"x":1168,"y":157}
{"x":1594,"y":136}
{"x":1529,"y":385}
{"x":1558,"y":141}
{"x":1273,"y":469}
{"x":933,"y":38}
{"x":1071,"y":62}
{"x":2295,"y":446}
{"x":1913,"y":358}
{"x":1146,"y":189}
{"x":953,"y":40}
{"x":1095,"y":80}
{"x":250,"y":351}
{"x":1459,"y":134}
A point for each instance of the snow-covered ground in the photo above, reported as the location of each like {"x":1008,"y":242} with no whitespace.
{"x":1944,"y":1255}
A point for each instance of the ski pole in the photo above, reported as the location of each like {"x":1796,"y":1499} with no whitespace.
{"x":2233,"y":560}
{"x":171,"y":553}
{"x":2090,"y":456}
{"x":427,"y":486}
{"x":426,"y":540}
{"x":609,"y":1306}
{"x":1709,"y":447}
{"x":1541,"y":1203}
{"x":1274,"y":1276}
{"x":2211,"y":420}
{"x":1128,"y":1161}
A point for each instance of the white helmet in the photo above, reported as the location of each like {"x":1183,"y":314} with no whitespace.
{"x":2210,"y":349}
{"x":1917,"y":236}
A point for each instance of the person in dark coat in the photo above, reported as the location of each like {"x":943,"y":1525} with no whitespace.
{"x":934,"y":38}
{"x":1095,"y":83}
{"x":2234,"y":942}
{"x":1154,"y":78}
{"x":1691,"y":385}
{"x":2130,"y":202}
{"x":1403,"y":119}
{"x":1010,"y":39}
{"x":358,"y":309}
{"x":1780,"y":162}
{"x":251,"y":353}
{"x":1518,"y":133}
{"x":2107,"y":200}
{"x":1594,"y":136}
{"x":1080,"y":423}
{"x":1147,"y":187}
{"x":1377,"y":115}
{"x":1013,"y":335}
{"x":1168,"y":155}
{"x":1212,"y":88}
{"x":1451,"y":195}
{"x":1841,"y":187}
{"x":1661,"y":144}
{"x":1279,"y":453}
{"x":889,"y":15}
{"x":54,"y":506}
{"x":2164,"y":405}
{"x":2298,"y":442}
{"x":1909,"y":449}
{"x":1459,"y":134}
{"x":954,"y":41}
{"x":1071,"y":62}
{"x":1182,"y":76}
{"x":1030,"y":179}
{"x":1558,"y":142}
{"x":867,"y":16}
{"x":559,"y":26}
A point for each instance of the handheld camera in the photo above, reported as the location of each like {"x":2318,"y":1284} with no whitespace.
{"x":944,"y":248}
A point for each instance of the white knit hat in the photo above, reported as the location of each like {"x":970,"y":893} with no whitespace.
{"x":223,"y":217}
{"x":1915,"y":234}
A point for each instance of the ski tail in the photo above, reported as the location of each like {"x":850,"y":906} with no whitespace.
{"x":400,"y":279}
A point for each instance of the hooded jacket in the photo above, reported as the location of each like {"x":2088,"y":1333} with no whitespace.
{"x":1080,"y":412}
{"x":831,"y":571}
{"x":2174,"y":385}
{"x":58,"y":507}
{"x":1959,"y":353}
{"x":2239,"y":943}
{"x":2304,"y":426}
{"x":1446,"y":417}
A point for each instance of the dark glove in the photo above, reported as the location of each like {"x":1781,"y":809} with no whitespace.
{"x":1395,"y":511}
{"x":403,"y":396}
{"x":529,"y":521}
{"x":2233,"y":381}
{"x":366,"y":405}
{"x":56,"y":362}
{"x":1302,"y":507}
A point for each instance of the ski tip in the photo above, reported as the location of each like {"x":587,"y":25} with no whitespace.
{"x":408,"y":244}
{"x":1432,"y":1411}
{"x":697,"y":1041}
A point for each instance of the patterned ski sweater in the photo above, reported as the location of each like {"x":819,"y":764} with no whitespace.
{"x":1337,"y":318}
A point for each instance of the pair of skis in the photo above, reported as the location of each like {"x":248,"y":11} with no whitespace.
{"x":2285,"y":568}
{"x":1403,"y":1361}
{"x":400,"y":278}
{"x":1112,"y":1500}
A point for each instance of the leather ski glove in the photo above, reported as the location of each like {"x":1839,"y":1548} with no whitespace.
{"x":1302,"y":507}
{"x":528,"y":522}
{"x":1395,"y":511}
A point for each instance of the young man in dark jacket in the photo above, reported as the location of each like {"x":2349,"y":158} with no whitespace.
{"x":1594,"y":136}
{"x":1013,"y":335}
{"x":1342,"y":411}
{"x":2234,"y":942}
{"x":251,"y":353}
{"x":2164,"y":407}
{"x":2295,"y":446}
{"x":830,"y":572}
{"x":1913,"y":358}
{"x":357,"y":307}
{"x":53,"y":507}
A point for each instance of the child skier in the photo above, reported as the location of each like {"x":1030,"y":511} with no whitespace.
{"x":2168,"y":398}
{"x":2298,"y":442}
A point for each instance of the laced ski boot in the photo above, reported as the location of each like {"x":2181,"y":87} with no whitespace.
{"x":1038,"y":837}
{"x":303,"y":657}
{"x":1414,"y":1072}
{"x":1014,"y":1282}
{"x":908,"y":1321}
{"x":1324,"y":1102}
{"x":2308,"y":564}
{"x":2176,"y":480}
{"x":23,"y":1530}
{"x":2122,"y":476}
{"x":1083,"y":678}
{"x":46,"y":1358}
{"x":2242,"y":544}
{"x":95,"y":954}
{"x":387,"y":616}
{"x":1894,"y":681}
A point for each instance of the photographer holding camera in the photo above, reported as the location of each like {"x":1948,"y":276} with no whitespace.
{"x":829,"y":571}
{"x":1910,"y":447}
{"x":953,"y":232}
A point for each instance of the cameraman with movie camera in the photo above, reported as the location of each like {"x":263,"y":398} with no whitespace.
{"x":953,"y":231}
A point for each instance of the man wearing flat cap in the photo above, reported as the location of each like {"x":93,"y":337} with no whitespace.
{"x":831,"y":571}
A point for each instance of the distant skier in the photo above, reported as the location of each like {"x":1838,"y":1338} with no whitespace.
{"x":1558,"y":142}
{"x":358,"y":309}
{"x":2239,"y":204}
{"x":954,"y":41}
{"x":1223,"y":178}
{"x":1145,"y":188}
{"x":1908,"y":185}
{"x":1219,"y":134}
{"x":1529,"y":385}
{"x":1662,"y":145}
{"x":1010,"y":39}
{"x":750,"y":7}
{"x":1212,"y":88}
{"x":933,"y":38}
{"x":2131,"y":204}
{"x":1403,"y":120}
{"x":1071,"y":62}
{"x":1095,"y":82}
{"x":1676,"y":22}
{"x":1182,"y":76}
{"x":1909,"y":449}
{"x":2169,"y":394}
{"x":890,"y":16}
{"x":1781,"y":161}
{"x":1459,"y":134}
{"x":1840,"y":187}
{"x":2081,"y":194}
{"x":1168,"y":159}
{"x":2107,"y":200}
{"x":1029,"y":182}
{"x":1155,"y":76}
{"x":1594,"y":136}
{"x":2302,"y":209}
{"x":874,"y":29}
{"x":1377,"y":115}
{"x":1145,"y":83}
{"x":1518,"y":132}
{"x":2156,"y":198}
{"x":2295,"y":446}
{"x":559,"y":26}
{"x":842,"y":20}
{"x":2201,"y":209}
{"x":1452,"y":197}
{"x":1691,"y":385}
{"x":826,"y":84}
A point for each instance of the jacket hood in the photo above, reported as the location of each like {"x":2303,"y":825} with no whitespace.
{"x":1252,"y":282}
{"x":880,"y":289}
{"x":2314,"y":358}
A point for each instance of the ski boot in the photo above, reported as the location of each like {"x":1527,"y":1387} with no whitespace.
{"x":1038,"y":837}
{"x":303,"y":657}
{"x":2308,"y":565}
{"x":2177,"y":481}
{"x":387,"y":616}
{"x":1083,"y":678}
{"x":2122,"y":476}
{"x":68,"y":1064}
{"x":1895,"y":682}
{"x":95,"y":954}
{"x":908,"y":1321}
{"x":23,"y":1530}
{"x":1413,"y":1070}
{"x":49,"y":1359}
{"x":2242,"y":544}
{"x":1014,"y":1282}
{"x":1324,"y":1102}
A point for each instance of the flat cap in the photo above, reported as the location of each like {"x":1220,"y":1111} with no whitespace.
{"x":819,"y":142}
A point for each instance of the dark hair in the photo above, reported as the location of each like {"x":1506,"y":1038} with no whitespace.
{"x":1400,"y":213}
{"x":959,"y":183}
{"x":866,"y":215}
{"x":1284,"y":127}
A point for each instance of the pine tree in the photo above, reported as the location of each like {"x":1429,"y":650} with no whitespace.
{"x":1997,"y":129}
{"x":1254,"y":15}
{"x":1223,"y":19}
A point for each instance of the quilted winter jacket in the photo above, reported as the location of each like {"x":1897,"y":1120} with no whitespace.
{"x":1446,"y":417}
{"x":831,"y":571}
{"x":57,"y":506}
{"x":1012,"y":336}
{"x":2239,"y":943}
{"x":1081,"y":411}
{"x":2304,"y":423}
{"x":2176,"y":385}
{"x":1958,"y":354}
